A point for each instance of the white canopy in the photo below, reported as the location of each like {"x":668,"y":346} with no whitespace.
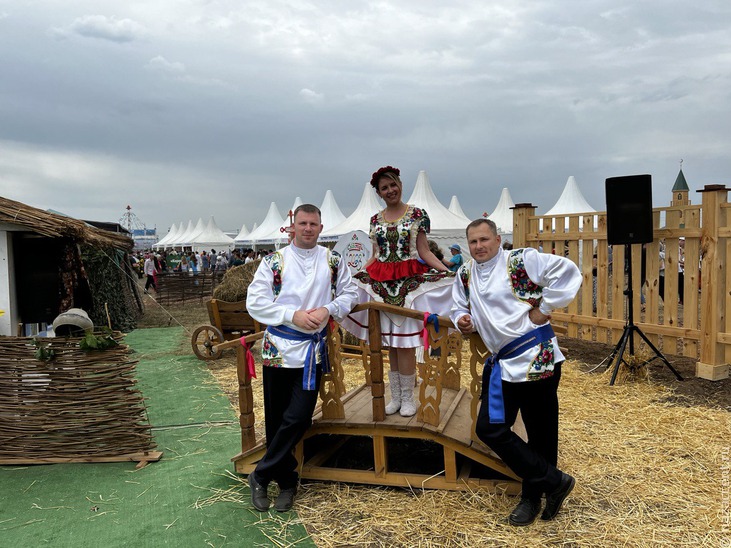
{"x":189,"y":238}
{"x":212,"y":236}
{"x":332,"y":216}
{"x":276,"y":236}
{"x":360,"y":219}
{"x":456,"y":208}
{"x":273,"y":221}
{"x":243,"y":233}
{"x":571,"y":201}
{"x":167,"y":238}
{"x":502,"y":215}
{"x":446,"y":227}
{"x":183,"y":235}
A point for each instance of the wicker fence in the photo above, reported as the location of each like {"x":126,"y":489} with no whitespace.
{"x":180,"y":287}
{"x":683,"y":313}
{"x":71,"y":405}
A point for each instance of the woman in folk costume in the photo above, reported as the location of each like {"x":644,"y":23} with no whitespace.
{"x":403,"y":272}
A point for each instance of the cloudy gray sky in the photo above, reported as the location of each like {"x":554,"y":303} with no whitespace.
{"x":185,"y":109}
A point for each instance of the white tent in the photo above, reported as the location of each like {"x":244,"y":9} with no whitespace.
{"x":211,"y":237}
{"x":456,"y":208}
{"x":332,"y":216}
{"x":360,"y":219}
{"x":172,"y":233}
{"x":189,"y":237}
{"x":570,"y":201}
{"x":183,"y":235}
{"x":276,"y":236}
{"x":446,"y":227}
{"x":502,"y":215}
{"x":243,"y":233}
{"x":273,"y":221}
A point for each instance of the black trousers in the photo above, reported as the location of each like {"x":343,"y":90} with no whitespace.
{"x":150,"y":282}
{"x":535,"y":461}
{"x":288,"y":414}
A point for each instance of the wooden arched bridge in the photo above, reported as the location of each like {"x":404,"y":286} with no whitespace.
{"x":353,"y":440}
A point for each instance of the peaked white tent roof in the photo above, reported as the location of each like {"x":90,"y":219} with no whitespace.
{"x":183,"y":234}
{"x":441,"y":218}
{"x":273,"y":221}
{"x":360,"y":219}
{"x":167,"y":238}
{"x":190,"y":237}
{"x":332,"y":216}
{"x":570,"y":201}
{"x":276,"y":236}
{"x":456,"y":208}
{"x":243,"y":233}
{"x":502,"y":215}
{"x":446,"y":227}
{"x":212,"y":236}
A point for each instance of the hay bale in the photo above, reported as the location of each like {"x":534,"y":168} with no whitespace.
{"x":236,"y":282}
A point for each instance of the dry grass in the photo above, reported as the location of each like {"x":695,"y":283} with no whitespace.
{"x":649,"y":473}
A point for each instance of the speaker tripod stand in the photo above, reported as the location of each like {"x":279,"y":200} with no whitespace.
{"x":630,"y":329}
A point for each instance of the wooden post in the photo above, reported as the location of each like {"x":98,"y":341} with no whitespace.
{"x":246,"y":401}
{"x":521,"y":223}
{"x":374,"y":345}
{"x":712,"y":365}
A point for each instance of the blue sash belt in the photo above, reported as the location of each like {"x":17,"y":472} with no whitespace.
{"x":494,"y":385}
{"x":318,"y":346}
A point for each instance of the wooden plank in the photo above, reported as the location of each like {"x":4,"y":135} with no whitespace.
{"x":447,"y":415}
{"x":150,"y":456}
{"x":450,"y":465}
{"x":380,"y":456}
{"x":317,"y":413}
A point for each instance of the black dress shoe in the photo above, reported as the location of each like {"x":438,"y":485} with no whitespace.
{"x":259,"y":498}
{"x":285,"y":499}
{"x":555,"y":498}
{"x":525,"y":513}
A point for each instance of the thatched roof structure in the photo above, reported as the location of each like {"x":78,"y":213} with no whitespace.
{"x":54,"y":225}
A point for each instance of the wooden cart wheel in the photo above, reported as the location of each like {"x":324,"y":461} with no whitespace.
{"x":204,"y":339}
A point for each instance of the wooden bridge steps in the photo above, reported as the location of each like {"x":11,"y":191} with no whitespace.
{"x":464,"y":460}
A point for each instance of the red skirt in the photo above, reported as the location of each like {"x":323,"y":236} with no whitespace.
{"x":382,"y":271}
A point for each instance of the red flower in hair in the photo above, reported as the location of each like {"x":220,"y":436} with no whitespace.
{"x":381,"y":172}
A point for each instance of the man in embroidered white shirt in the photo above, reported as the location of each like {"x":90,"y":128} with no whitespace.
{"x":294,"y":292}
{"x":507,"y":297}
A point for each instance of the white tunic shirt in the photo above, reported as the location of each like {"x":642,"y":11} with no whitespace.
{"x":500,"y":315}
{"x":306,"y":283}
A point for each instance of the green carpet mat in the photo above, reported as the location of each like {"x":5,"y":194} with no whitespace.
{"x":190,"y":498}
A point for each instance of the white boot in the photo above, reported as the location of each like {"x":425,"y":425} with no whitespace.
{"x":395,"y":383}
{"x":408,"y":407}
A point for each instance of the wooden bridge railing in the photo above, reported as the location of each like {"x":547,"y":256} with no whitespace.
{"x":441,"y":369}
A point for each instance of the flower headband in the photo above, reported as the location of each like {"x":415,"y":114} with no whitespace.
{"x":381,"y":172}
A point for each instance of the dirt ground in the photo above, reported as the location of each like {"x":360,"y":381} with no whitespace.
{"x":691,"y":390}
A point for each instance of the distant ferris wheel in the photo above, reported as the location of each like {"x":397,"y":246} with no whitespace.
{"x":131,"y":222}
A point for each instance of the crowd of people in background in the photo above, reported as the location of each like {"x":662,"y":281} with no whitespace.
{"x":152,"y":263}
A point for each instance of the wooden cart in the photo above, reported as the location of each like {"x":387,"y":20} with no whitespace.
{"x":228,"y":321}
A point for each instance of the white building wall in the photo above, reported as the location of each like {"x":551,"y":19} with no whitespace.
{"x":8,"y":302}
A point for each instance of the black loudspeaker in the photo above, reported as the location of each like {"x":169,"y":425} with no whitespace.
{"x":629,"y":209}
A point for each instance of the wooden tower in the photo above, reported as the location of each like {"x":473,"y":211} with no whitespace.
{"x":680,"y":190}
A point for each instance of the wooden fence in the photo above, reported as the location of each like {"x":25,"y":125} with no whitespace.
{"x":180,"y":287}
{"x":683,"y":313}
